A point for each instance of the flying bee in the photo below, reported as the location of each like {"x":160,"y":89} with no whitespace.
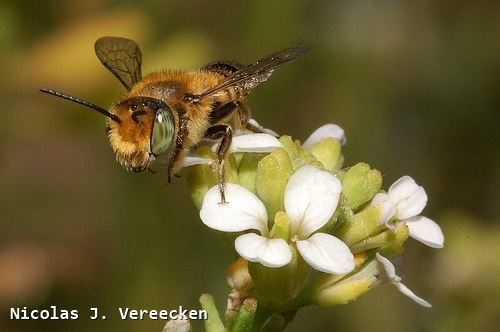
{"x":166,"y":113}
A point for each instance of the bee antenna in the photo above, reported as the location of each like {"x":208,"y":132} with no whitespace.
{"x":82,"y":102}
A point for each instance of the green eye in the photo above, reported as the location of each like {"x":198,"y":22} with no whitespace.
{"x":162,"y":134}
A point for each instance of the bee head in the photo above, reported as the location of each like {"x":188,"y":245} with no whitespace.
{"x":146,"y":130}
{"x":139,"y":128}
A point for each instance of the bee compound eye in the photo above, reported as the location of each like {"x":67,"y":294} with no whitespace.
{"x":162,"y":133}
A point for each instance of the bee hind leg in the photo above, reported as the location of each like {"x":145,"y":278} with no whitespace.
{"x":244,"y":116}
{"x":241,"y":113}
{"x":225,"y":133}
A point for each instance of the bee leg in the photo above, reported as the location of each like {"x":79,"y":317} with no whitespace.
{"x":242,"y":115}
{"x":223,"y":111}
{"x":225,"y":133}
{"x":179,"y":143}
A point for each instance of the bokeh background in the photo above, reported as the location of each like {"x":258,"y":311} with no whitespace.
{"x":415,"y":84}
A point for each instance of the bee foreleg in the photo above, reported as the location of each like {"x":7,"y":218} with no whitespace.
{"x":179,"y":143}
{"x":225,"y":133}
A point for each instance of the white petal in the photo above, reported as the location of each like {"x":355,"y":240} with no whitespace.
{"x":389,"y":269}
{"x":311,"y":197}
{"x":242,"y":211}
{"x":409,"y":197}
{"x":402,"y":188}
{"x":258,"y":143}
{"x":406,"y":291}
{"x":191,"y":160}
{"x":263,"y":129}
{"x":426,"y":231}
{"x":268,"y":252}
{"x":326,"y":253}
{"x":390,"y":273}
{"x":386,"y":207}
{"x":413,"y":205}
{"x":326,"y":131}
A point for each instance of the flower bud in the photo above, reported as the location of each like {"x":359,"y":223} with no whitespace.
{"x":247,"y":170}
{"x":360,"y":184}
{"x":273,"y":172}
{"x":289,"y":146}
{"x":391,"y":241}
{"x":201,"y":177}
{"x":237,"y":275}
{"x":363,"y":225}
{"x":281,"y":227}
{"x":328,"y":152}
{"x":346,"y":290}
{"x":277,"y":286}
{"x":396,"y":246}
{"x":306,"y":158}
{"x":324,"y":280}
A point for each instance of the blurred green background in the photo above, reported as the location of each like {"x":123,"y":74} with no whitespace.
{"x":415,"y":84}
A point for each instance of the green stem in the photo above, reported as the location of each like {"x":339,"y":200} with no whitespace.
{"x":213,"y":323}
{"x":246,"y":315}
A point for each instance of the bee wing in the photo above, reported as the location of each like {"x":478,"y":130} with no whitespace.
{"x":248,"y":77}
{"x":122,"y":57}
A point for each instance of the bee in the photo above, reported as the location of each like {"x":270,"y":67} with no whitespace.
{"x":165,"y":114}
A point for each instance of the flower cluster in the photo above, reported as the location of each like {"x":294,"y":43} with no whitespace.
{"x":307,"y":230}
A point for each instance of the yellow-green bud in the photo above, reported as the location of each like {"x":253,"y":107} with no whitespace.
{"x":273,"y":172}
{"x":306,"y":158}
{"x":231,"y":169}
{"x":323,"y":280}
{"x":201,"y":177}
{"x":275,"y":287}
{"x":390,"y":240}
{"x":360,"y":183}
{"x":247,"y":170}
{"x":281,"y":226}
{"x":327,"y":151}
{"x":289,"y":146}
{"x":346,"y":290}
{"x":363,"y":225}
{"x":396,"y":247}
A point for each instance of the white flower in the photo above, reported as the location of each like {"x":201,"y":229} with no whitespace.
{"x":311,"y":198}
{"x":390,"y":273}
{"x":326,"y":131}
{"x":404,"y":200}
{"x":258,"y":143}
{"x":193,"y":159}
{"x":262,"y":129}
